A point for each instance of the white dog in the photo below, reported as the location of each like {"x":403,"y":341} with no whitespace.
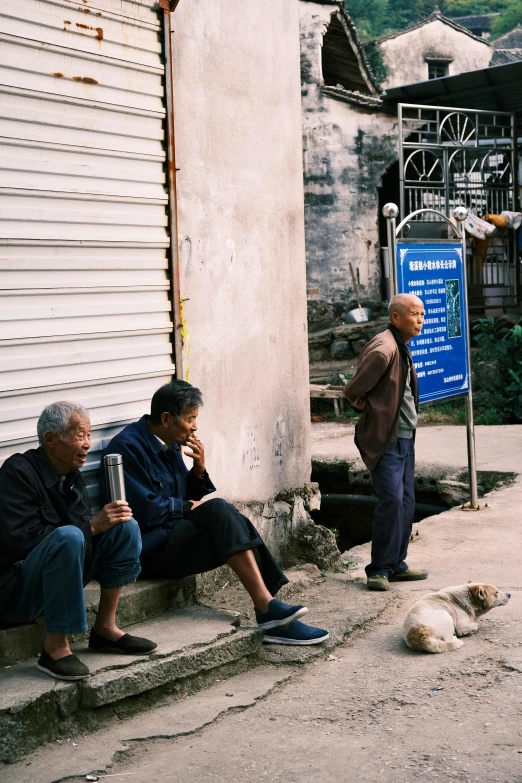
{"x":435,"y":621}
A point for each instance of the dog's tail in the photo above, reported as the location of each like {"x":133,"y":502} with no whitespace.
{"x":422,"y":637}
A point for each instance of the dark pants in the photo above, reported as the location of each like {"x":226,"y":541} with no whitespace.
{"x":52,"y":576}
{"x":393,"y":481}
{"x":209,"y":535}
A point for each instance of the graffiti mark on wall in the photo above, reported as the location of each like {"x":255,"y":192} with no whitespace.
{"x":279,"y":441}
{"x":251,"y":457}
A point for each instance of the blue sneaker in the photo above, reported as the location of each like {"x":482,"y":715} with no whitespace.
{"x":279,"y":613}
{"x":297,"y":633}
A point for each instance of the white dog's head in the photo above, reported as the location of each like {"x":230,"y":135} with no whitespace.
{"x":484,"y":597}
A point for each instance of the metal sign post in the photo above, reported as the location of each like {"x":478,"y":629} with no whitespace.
{"x":435,"y":271}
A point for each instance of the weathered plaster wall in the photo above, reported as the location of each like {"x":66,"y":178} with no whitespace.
{"x":241,"y":239}
{"x":346,"y":149}
{"x":404,"y":56}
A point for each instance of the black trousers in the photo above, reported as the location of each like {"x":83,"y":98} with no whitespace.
{"x":205,"y":539}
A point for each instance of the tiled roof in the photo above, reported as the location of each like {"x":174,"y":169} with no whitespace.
{"x":435,"y":15}
{"x":511,"y":40}
{"x":503,"y":56}
{"x":355,"y":44}
{"x":476,"y":20}
{"x":353,"y":96}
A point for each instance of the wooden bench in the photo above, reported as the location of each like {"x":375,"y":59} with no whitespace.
{"x":330,"y":392}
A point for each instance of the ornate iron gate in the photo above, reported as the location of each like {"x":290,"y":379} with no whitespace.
{"x":452,"y":157}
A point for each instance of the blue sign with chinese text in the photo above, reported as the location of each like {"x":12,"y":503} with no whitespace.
{"x":435,"y":274}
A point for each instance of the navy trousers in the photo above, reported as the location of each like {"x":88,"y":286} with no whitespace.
{"x":209,"y":535}
{"x":393,"y":481}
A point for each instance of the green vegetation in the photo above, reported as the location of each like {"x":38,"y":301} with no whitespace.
{"x":496,"y":360}
{"x":509,"y":18}
{"x":497,"y":371}
{"x":374,"y":18}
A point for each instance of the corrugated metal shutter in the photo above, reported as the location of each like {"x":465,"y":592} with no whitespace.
{"x":84,"y":305}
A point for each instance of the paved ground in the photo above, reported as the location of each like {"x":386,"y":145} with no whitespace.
{"x":370,"y":709}
{"x":497,"y":448}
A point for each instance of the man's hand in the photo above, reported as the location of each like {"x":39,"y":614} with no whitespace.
{"x":112,"y":514}
{"x":197,"y":453}
{"x":195,"y":503}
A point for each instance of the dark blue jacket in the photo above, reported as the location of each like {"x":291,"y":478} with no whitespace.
{"x":157,"y":482}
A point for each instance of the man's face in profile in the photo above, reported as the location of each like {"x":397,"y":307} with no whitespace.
{"x":410,"y":322}
{"x":180,"y":430}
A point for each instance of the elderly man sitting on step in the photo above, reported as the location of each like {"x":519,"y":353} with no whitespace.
{"x":184,"y":535}
{"x":51,"y":545}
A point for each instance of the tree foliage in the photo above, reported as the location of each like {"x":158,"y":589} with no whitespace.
{"x":510,"y":17}
{"x":374,"y":18}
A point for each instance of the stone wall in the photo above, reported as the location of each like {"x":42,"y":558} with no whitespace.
{"x":348,"y":143}
{"x":345,"y":341}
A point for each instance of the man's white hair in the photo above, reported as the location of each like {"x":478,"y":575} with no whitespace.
{"x":400,"y":303}
{"x":56,"y":418}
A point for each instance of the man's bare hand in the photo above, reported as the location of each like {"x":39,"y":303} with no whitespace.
{"x":197,"y":453}
{"x":195,"y":504}
{"x":112,"y":514}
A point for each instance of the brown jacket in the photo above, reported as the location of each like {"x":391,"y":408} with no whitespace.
{"x":377,"y":388}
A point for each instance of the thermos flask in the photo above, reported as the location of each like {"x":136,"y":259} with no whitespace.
{"x":114,"y":476}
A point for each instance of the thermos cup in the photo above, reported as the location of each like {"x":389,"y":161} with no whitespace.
{"x":114,"y":476}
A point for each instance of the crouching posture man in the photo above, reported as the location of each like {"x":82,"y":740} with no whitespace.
{"x":51,"y":545}
{"x":184,"y":536}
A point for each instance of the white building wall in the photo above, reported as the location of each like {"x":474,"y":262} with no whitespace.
{"x":241,"y":238}
{"x":405,"y":55}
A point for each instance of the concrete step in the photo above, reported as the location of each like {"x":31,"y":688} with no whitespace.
{"x":195,"y":645}
{"x":139,"y":601}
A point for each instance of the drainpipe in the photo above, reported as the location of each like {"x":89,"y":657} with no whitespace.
{"x":166,"y":9}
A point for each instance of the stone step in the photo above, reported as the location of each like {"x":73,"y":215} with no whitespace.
{"x":139,"y":601}
{"x":195,"y":644}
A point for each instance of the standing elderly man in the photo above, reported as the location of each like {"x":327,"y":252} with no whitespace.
{"x":384,"y":388}
{"x":51,"y":545}
{"x":182,"y":535}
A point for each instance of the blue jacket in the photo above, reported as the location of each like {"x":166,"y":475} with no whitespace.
{"x":157,"y":482}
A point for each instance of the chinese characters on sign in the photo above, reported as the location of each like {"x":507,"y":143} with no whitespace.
{"x":434,"y":273}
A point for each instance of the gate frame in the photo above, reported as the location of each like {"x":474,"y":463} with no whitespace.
{"x":509,"y":149}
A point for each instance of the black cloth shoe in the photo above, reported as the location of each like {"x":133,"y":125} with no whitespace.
{"x":126,"y":644}
{"x":68,"y":668}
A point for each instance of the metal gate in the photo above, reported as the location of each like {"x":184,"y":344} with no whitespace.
{"x":84,"y":292}
{"x":461,"y":157}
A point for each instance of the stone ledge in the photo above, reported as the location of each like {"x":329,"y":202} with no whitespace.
{"x":139,"y":601}
{"x":35,"y":708}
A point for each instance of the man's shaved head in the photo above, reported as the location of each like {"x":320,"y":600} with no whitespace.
{"x":407,"y":315}
{"x":401,"y":303}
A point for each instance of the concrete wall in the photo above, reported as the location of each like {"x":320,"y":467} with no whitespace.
{"x":241,"y":238}
{"x":347,"y":148}
{"x":405,"y":56}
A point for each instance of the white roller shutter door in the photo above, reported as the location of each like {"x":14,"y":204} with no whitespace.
{"x":84,"y":291}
